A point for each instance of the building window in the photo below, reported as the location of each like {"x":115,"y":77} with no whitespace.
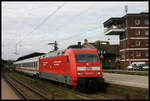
{"x":146,"y":22}
{"x":146,"y":54}
{"x":138,"y":53}
{"x":137,"y":43}
{"x":146,"y":32}
{"x":137,"y":32}
{"x":137,"y":22}
{"x":146,"y":43}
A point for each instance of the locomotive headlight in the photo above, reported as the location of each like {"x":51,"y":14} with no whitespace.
{"x":98,"y":73}
{"x":95,"y":68}
{"x":81,"y":68}
{"x":80,"y":73}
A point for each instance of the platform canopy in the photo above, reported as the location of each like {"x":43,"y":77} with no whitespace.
{"x":34,"y":54}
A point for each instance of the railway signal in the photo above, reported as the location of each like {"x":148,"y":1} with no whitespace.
{"x":55,"y":45}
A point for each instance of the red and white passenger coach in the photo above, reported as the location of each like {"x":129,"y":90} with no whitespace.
{"x":76,"y":67}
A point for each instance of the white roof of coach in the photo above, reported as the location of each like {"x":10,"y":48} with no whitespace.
{"x":33,"y":59}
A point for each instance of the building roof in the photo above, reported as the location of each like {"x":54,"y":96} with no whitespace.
{"x":119,"y":20}
{"x":113,"y":20}
{"x":137,"y":14}
{"x":110,"y":49}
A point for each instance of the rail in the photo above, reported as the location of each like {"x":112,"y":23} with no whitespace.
{"x":10,"y":80}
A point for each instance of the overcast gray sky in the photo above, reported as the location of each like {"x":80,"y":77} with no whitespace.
{"x":29,"y":26}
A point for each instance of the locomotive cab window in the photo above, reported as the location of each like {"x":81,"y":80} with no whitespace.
{"x":86,"y":58}
{"x":67,"y":59}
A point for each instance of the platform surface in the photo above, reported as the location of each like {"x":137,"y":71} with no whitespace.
{"x":7,"y":92}
{"x":127,"y":80}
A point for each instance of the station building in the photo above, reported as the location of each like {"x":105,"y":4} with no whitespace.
{"x":109,"y":54}
{"x":133,"y":30}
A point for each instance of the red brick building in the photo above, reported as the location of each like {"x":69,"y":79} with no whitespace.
{"x":133,"y":30}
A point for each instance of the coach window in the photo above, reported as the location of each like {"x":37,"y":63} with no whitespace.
{"x":35,"y":64}
{"x":31,"y":65}
{"x":27,"y":65}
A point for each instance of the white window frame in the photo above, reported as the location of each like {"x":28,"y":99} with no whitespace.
{"x":146,"y":22}
{"x":146,"y":43}
{"x":137,"y":43}
{"x":146,"y":53}
{"x":138,"y":53}
{"x":146,"y":32}
{"x":137,"y":32}
{"x":137,"y":21}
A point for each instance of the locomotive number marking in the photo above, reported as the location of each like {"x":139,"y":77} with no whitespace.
{"x":57,"y":61}
{"x":45,"y":63}
{"x":56,"y":64}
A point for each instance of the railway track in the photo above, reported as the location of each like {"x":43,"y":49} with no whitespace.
{"x":65,"y":90}
{"x":24,"y":90}
{"x":62,"y":89}
{"x":85,"y":96}
{"x":111,"y":94}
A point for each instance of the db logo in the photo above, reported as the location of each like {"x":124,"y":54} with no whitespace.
{"x":87,"y":64}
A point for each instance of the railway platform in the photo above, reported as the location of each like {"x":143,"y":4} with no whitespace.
{"x":127,"y":80}
{"x":7,"y":92}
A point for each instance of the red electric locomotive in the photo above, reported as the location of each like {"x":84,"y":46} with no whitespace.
{"x":75,"y":67}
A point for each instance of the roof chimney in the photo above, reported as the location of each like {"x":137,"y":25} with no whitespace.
{"x":85,"y":41}
{"x":79,"y":44}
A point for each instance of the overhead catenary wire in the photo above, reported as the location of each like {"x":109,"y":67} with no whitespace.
{"x":73,"y":19}
{"x":39,"y":25}
{"x":50,"y":15}
{"x":79,"y":34}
